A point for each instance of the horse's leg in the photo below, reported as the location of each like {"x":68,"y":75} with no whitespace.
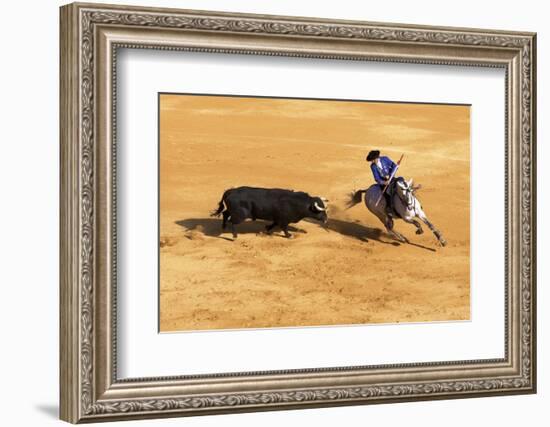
{"x":415,"y":223}
{"x":435,"y":231}
{"x":389,"y":227}
{"x":401,"y":211}
{"x":379,"y":211}
{"x":419,"y":229}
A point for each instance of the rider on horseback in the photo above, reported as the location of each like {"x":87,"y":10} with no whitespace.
{"x":383,"y":168}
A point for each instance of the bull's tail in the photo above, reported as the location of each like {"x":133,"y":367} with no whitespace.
{"x":354,"y":198}
{"x":221,"y":207}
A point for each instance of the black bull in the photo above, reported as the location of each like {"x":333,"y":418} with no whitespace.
{"x":282,"y":207}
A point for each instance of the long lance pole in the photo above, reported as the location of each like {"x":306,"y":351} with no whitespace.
{"x":389,"y":180}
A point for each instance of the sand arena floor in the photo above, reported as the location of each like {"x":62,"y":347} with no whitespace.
{"x":352,"y":273}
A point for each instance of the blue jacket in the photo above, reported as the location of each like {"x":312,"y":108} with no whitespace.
{"x":383,"y":173}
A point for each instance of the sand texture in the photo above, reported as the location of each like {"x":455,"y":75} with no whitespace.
{"x":351,"y":273}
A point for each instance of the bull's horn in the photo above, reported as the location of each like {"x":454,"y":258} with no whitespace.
{"x":319,"y":208}
{"x":410,"y":182}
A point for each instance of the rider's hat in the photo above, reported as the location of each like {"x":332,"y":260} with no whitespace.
{"x":373,"y":155}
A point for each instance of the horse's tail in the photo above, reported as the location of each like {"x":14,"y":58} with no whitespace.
{"x":221,"y":207}
{"x":354,"y":198}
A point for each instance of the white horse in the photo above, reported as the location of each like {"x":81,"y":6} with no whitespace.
{"x":405,"y":204}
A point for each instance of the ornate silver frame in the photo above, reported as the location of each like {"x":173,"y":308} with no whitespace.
{"x":90,"y":36}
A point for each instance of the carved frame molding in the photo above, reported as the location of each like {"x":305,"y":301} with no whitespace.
{"x":90,"y":37}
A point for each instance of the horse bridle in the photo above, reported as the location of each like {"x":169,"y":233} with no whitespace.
{"x":408,"y":191}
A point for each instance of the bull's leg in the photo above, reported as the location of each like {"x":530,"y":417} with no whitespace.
{"x":225,"y":217}
{"x":269,"y":228}
{"x":389,"y":227}
{"x":284,"y":227}
{"x":435,"y":231}
{"x":233,"y":230}
{"x":236,"y":217}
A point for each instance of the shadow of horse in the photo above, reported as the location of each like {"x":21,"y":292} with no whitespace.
{"x":363,"y":233}
{"x":357,"y":231}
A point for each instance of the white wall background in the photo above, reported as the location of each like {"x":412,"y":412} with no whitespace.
{"x":29,"y":172}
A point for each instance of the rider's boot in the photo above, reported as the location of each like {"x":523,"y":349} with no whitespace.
{"x":389,"y":205}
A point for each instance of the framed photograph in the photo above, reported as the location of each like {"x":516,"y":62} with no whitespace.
{"x":266,"y":212}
